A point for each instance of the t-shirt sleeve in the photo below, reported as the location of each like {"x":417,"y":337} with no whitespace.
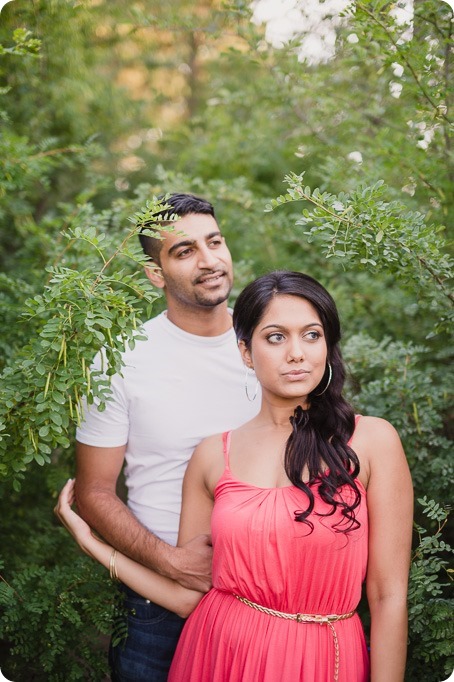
{"x":109,"y":428}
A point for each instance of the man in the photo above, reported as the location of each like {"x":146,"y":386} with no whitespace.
{"x":185,"y":382}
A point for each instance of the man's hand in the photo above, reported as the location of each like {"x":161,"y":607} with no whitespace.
{"x":191,"y":564}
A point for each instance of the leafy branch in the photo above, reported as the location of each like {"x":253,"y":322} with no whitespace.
{"x":365,"y":230}
{"x":76,"y":314}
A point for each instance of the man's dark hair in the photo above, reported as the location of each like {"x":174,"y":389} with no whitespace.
{"x":180,"y":205}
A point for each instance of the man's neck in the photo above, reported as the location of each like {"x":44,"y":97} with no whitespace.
{"x":202,"y":321}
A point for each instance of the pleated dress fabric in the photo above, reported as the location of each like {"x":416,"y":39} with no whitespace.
{"x":261,"y":553}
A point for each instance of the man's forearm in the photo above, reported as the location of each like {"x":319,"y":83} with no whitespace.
{"x":112,"y":519}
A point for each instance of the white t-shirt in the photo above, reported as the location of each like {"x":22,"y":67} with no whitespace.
{"x":176,"y":389}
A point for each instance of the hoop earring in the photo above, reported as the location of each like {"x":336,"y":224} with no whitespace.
{"x":330,"y":370}
{"x":246,"y":387}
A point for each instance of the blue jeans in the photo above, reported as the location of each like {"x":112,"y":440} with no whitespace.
{"x":146,"y":653}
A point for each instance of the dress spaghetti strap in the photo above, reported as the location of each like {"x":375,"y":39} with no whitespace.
{"x":357,"y":418}
{"x":226,"y":447}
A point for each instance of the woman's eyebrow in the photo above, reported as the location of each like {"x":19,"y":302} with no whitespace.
{"x":280,"y":326}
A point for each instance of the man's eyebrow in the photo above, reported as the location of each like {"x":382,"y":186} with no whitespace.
{"x":191,"y":242}
{"x":178,"y":245}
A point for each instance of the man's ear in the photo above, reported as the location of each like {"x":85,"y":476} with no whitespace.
{"x":154,"y":274}
{"x":245,"y":354}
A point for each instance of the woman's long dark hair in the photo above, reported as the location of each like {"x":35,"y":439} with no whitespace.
{"x":320,"y":433}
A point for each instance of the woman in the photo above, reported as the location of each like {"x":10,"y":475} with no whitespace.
{"x":301,"y":502}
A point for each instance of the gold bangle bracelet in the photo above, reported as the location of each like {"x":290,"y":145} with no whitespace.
{"x":113,"y":566}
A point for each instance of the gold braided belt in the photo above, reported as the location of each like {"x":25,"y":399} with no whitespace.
{"x":306,"y":618}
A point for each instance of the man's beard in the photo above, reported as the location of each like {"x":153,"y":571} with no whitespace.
{"x":209,"y":302}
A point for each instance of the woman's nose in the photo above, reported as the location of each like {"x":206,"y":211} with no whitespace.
{"x":296,"y":353}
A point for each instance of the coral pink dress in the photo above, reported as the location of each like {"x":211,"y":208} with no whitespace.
{"x":261,"y":553}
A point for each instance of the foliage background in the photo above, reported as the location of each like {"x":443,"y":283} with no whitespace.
{"x":341,"y":168}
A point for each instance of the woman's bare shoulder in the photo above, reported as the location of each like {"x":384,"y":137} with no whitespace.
{"x":378,"y":445}
{"x":372,"y":428}
{"x":205,"y":449}
{"x":208,"y":459}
